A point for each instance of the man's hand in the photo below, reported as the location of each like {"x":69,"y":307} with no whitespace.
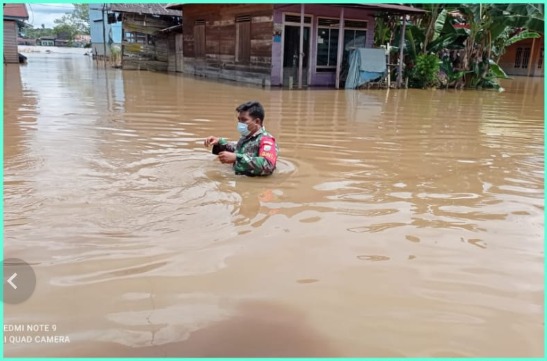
{"x":227,"y":157}
{"x":210,"y":141}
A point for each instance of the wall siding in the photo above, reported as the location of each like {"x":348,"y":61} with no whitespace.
{"x":10,"y":42}
{"x":220,"y":42}
{"x":155,"y":57}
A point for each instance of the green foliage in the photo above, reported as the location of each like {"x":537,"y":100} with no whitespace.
{"x":30,"y":32}
{"x":76,"y":22}
{"x":68,"y":26}
{"x":381,"y":32}
{"x":474,"y":34}
{"x":425,"y":73}
{"x":65,"y":31}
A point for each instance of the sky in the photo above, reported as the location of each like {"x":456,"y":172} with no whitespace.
{"x":39,"y":14}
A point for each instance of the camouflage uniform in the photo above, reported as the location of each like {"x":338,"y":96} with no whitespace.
{"x":255,"y":154}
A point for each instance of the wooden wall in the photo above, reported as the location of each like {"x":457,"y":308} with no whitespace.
{"x":146,"y":56}
{"x":10,"y":42}
{"x":219,"y":60}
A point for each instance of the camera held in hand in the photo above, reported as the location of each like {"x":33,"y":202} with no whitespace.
{"x":217,"y":148}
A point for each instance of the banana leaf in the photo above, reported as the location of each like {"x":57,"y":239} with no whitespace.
{"x":522,"y":36}
{"x":497,"y":70}
{"x":454,"y":40}
{"x":440,"y":24}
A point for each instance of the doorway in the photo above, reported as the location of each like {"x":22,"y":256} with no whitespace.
{"x":291,"y":50}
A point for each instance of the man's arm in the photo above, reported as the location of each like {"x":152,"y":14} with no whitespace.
{"x":230,"y":146}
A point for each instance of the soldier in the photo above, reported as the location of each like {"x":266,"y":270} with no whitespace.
{"x":256,"y":151}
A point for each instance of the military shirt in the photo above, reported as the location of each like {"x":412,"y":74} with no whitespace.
{"x":255,"y":154}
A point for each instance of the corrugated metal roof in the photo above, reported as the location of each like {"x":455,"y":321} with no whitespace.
{"x":15,"y":11}
{"x":153,"y":9}
{"x":388,"y":8}
{"x":174,"y":6}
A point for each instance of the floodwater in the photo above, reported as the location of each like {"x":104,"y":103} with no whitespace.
{"x":398,"y":223}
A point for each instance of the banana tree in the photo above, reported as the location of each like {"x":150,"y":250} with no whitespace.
{"x":489,"y":26}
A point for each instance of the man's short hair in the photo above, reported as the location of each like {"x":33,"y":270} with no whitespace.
{"x":255,"y":109}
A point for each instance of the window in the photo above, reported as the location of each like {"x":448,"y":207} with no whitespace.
{"x":522,"y":58}
{"x":327,"y":42}
{"x":243,"y":39}
{"x":355,"y":35}
{"x":138,"y":38}
{"x":199,"y":38}
{"x":525,"y":58}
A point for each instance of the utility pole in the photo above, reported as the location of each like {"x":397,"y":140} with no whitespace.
{"x":104,"y":35}
{"x":401,"y":54}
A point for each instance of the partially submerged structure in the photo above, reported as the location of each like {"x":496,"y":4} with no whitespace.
{"x":525,"y":58}
{"x":14,"y":18}
{"x":277,"y":44}
{"x":146,"y":37}
{"x":137,"y":36}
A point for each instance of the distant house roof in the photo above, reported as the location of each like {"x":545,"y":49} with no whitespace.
{"x":15,"y":12}
{"x":152,"y":9}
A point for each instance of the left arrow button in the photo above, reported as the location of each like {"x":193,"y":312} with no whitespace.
{"x":10,"y":281}
{"x":19,"y":280}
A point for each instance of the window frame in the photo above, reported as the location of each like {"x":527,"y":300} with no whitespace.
{"x":322,"y":68}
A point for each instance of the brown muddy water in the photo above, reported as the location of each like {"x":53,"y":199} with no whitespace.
{"x":398,"y":223}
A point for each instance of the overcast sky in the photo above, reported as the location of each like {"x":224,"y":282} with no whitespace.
{"x":39,"y":14}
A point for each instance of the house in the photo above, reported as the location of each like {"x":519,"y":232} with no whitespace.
{"x":14,"y":18}
{"x":524,"y":58}
{"x":145,"y":34}
{"x":105,"y":30}
{"x":277,"y":44}
{"x":46,"y":41}
{"x":26,"y":41}
{"x":81,"y":40}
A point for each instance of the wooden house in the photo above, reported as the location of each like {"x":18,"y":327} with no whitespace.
{"x":524,"y":58}
{"x":46,"y":41}
{"x":14,"y":17}
{"x":147,"y":35}
{"x":276,"y":44}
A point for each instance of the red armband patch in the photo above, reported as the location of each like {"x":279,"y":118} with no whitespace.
{"x":267,"y":149}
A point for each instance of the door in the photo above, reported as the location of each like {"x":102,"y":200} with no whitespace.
{"x":178,"y":53}
{"x":291,"y":55}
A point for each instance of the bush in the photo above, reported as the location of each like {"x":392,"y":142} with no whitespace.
{"x":425,"y":73}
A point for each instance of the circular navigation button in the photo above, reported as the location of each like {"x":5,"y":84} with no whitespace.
{"x":19,"y":280}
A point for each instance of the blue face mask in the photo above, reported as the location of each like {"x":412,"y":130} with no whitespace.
{"x":242,"y":129}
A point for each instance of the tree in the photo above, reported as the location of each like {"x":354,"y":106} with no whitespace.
{"x":73,"y":23}
{"x":30,"y":32}
{"x":469,"y":39}
{"x":80,"y":16}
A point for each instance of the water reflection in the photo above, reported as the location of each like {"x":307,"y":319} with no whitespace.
{"x":388,"y":208}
